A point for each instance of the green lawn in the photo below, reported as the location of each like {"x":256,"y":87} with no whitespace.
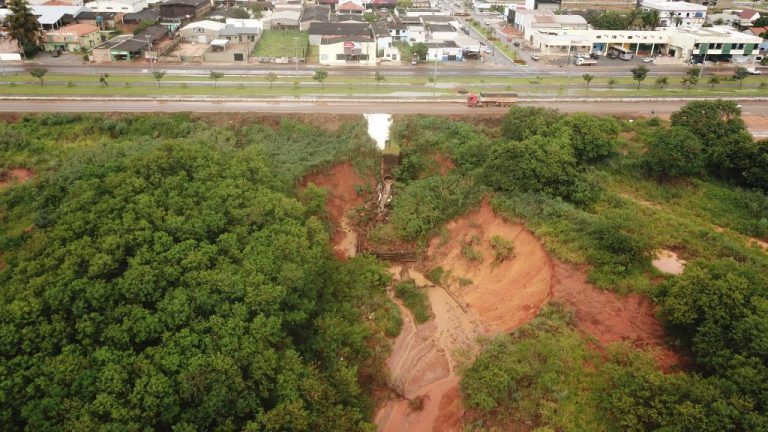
{"x":280,"y":43}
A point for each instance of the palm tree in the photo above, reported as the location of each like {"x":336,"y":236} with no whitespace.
{"x":662,"y":82}
{"x":611,"y":82}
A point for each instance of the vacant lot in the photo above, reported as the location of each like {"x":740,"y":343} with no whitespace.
{"x":282,"y":43}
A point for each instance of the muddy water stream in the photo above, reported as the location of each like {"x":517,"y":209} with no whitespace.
{"x":423,"y":363}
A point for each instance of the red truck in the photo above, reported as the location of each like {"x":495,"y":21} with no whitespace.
{"x":502,"y":99}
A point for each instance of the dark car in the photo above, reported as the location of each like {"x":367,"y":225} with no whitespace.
{"x":517,"y":44}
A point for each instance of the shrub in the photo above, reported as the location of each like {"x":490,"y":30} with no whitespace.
{"x":414,"y":299}
{"x":503,"y":249}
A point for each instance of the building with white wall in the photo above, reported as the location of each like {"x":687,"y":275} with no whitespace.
{"x":125,"y":6}
{"x":348,"y":50}
{"x":676,"y":13}
{"x":528,"y":21}
{"x":682,"y":43}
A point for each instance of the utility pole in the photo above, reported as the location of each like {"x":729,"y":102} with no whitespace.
{"x":296,"y":54}
{"x":151,"y":60}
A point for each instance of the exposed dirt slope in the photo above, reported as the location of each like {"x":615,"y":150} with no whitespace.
{"x":612,"y":318}
{"x":504,"y":295}
{"x":340,"y":181}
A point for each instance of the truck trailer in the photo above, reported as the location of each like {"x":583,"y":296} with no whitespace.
{"x":502,"y":99}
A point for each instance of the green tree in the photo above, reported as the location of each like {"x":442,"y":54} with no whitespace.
{"x":611,"y":82}
{"x":158,"y":75}
{"x":587,"y":79}
{"x":740,"y":74}
{"x":271,"y":78}
{"x":691,"y":77}
{"x":420,"y":50}
{"x":662,"y":82}
{"x":320,"y":76}
{"x":639,"y":73}
{"x":379,"y":77}
{"x":592,"y":138}
{"x":239,"y":13}
{"x":23,"y":27}
{"x":523,"y":122}
{"x":674,"y":152}
{"x":713,"y":81}
{"x":215,"y":77}
{"x":39,"y":73}
{"x":103,"y":79}
{"x":537,"y":164}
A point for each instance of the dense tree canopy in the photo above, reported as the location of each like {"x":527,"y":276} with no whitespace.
{"x":167,"y":284}
{"x":674,"y":152}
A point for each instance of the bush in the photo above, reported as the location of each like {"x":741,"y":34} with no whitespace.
{"x":520,"y":122}
{"x":538,"y":164}
{"x":424,"y":205}
{"x":414,"y":299}
{"x":503,"y":249}
{"x":674,"y":152}
{"x":592,"y":138}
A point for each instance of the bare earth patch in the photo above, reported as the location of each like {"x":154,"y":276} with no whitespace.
{"x":611,"y":318}
{"x":16,"y":175}
{"x":504,"y":295}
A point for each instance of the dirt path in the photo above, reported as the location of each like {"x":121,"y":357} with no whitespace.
{"x":423,"y":364}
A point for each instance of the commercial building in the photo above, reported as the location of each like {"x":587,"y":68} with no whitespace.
{"x":71,"y":38}
{"x":685,"y":44}
{"x":345,"y":50}
{"x":530,"y":21}
{"x":121,"y":48}
{"x":201,"y":31}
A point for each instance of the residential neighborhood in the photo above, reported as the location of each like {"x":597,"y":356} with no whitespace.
{"x":341,"y":33}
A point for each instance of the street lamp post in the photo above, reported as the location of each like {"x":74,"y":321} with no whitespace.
{"x":151,"y":60}
{"x":296,"y":54}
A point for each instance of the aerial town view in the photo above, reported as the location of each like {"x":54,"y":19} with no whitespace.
{"x":384,"y":215}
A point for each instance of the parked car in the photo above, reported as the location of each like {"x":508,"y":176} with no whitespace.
{"x":517,"y":44}
{"x":594,"y":55}
{"x":465,"y":30}
{"x":753,"y":71}
{"x":648,"y":60}
{"x":535,"y":57}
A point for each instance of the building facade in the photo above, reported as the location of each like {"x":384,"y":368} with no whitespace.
{"x":72,"y":38}
{"x":348,"y":50}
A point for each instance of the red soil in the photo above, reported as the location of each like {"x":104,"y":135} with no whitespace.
{"x":611,"y":318}
{"x":17,"y":175}
{"x":506,"y":295}
{"x":340,"y":181}
{"x":444,"y":163}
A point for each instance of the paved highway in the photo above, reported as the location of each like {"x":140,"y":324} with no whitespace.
{"x":422,"y":70}
{"x":51,"y":105}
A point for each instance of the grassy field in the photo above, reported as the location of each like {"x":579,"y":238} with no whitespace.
{"x":281,"y":43}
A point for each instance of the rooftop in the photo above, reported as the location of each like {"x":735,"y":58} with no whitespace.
{"x":748,"y":14}
{"x":674,"y":6}
{"x":330,"y":40}
{"x":47,"y":15}
{"x":443,"y":28}
{"x":316,"y":13}
{"x":78,"y":29}
{"x":184,"y":2}
{"x":90,"y":15}
{"x":333,"y":29}
{"x":206,"y":24}
{"x":235,"y":31}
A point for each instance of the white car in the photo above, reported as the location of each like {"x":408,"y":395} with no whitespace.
{"x":754,"y":71}
{"x":648,"y":60}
